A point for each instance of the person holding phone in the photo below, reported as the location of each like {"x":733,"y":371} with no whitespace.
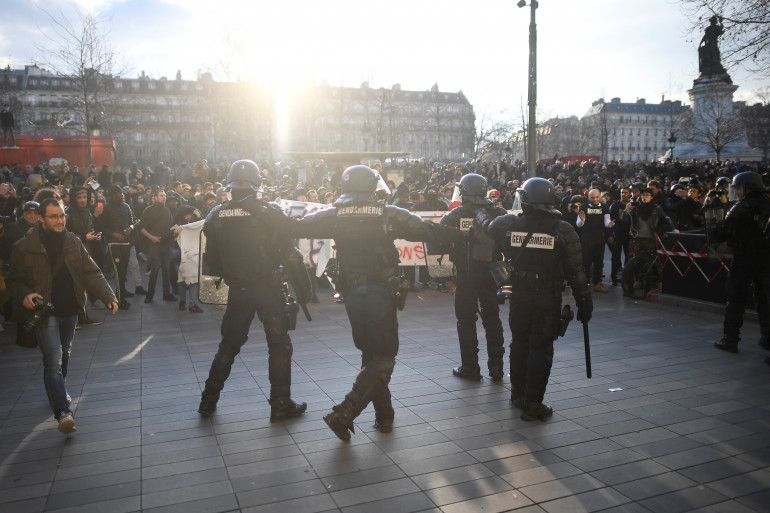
{"x":80,"y":222}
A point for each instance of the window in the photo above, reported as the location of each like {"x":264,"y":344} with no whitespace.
{"x":118,"y":85}
{"x":647,"y":132}
{"x":151,"y":86}
{"x":138,"y":137}
{"x":167,"y":85}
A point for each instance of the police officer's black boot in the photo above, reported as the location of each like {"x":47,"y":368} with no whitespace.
{"x":728,"y":343}
{"x":209,"y":398}
{"x":495,"y":366}
{"x":282,"y":407}
{"x":536,"y":410}
{"x":340,"y":420}
{"x":469,"y":352}
{"x":383,"y":413}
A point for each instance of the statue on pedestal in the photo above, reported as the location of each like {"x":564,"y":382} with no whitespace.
{"x":709,"y":59}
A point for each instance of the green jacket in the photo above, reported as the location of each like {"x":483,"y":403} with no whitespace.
{"x":30,"y":272}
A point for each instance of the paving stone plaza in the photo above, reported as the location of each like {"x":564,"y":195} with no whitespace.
{"x":667,"y":423}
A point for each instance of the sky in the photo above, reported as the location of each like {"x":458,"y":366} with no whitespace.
{"x":586,"y":49}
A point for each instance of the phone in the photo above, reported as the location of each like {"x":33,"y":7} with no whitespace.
{"x":99,"y":204}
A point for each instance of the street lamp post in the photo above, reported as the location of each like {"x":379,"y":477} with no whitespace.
{"x":532,"y":87}
{"x":671,"y":145}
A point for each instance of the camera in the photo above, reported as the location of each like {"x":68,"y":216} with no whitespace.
{"x":43,"y":309}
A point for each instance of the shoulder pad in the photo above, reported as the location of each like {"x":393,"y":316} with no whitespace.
{"x":453,"y":217}
{"x":212,"y":214}
{"x":275,"y":206}
{"x":319,"y":214}
{"x":398,"y":213}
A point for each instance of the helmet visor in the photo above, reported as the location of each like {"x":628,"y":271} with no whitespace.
{"x":732,"y":192}
{"x":382,"y":186}
{"x":516,"y":208}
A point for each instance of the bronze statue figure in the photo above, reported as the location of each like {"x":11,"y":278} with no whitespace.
{"x":709,"y":60}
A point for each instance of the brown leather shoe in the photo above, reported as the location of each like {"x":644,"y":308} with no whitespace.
{"x":600,"y":288}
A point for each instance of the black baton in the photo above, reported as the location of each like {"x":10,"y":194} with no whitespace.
{"x":587,"y":345}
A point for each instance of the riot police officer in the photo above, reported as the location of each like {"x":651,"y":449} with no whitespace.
{"x":476,"y":289}
{"x":541,"y":250}
{"x":246,"y":248}
{"x":741,"y":229}
{"x":363,"y":229}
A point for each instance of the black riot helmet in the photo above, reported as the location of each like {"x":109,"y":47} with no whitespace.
{"x":244,"y":174}
{"x":539,"y":194}
{"x":473,"y":189}
{"x":743,"y":183}
{"x":749,"y":180}
{"x":360,"y":183}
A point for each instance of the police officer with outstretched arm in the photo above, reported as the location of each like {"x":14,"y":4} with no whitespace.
{"x":476,"y":290}
{"x":363,"y":229}
{"x":246,"y":248}
{"x":541,"y":251}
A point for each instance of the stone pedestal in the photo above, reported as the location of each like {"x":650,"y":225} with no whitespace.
{"x":711,"y":98}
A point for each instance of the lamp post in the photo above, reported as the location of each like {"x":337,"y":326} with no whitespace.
{"x":532,"y":87}
{"x":671,"y":145}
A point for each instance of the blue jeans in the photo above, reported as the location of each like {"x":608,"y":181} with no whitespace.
{"x":161,"y":260}
{"x":188,"y":293}
{"x":56,"y":345}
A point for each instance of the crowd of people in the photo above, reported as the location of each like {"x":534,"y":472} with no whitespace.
{"x":129,"y":220}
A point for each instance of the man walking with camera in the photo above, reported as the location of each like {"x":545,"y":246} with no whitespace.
{"x":50,"y":274}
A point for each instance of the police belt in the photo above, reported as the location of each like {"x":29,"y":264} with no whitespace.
{"x":531,"y":281}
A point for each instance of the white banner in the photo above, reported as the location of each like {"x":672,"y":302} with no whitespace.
{"x":317,"y":252}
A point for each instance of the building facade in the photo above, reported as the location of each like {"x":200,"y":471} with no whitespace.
{"x":154,"y":120}
{"x":636,"y":131}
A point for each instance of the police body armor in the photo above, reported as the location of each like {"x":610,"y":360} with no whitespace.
{"x":480,"y":247}
{"x":537,"y":267}
{"x":238,"y":246}
{"x":367,"y":252}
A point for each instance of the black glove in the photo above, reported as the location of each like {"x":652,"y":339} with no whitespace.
{"x":585,"y":306}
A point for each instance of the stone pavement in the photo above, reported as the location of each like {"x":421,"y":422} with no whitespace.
{"x":666,"y":424}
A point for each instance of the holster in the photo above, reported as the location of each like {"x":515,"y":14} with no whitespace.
{"x":566,"y":317}
{"x":399,"y":288}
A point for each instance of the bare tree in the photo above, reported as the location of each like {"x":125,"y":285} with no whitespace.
{"x":713,"y":123}
{"x":79,"y":48}
{"x":746,"y":39}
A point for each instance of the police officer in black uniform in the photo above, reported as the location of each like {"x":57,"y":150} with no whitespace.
{"x":741,"y":229}
{"x":476,"y":289}
{"x":363,"y":230}
{"x":246,"y":248}
{"x":541,"y":251}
